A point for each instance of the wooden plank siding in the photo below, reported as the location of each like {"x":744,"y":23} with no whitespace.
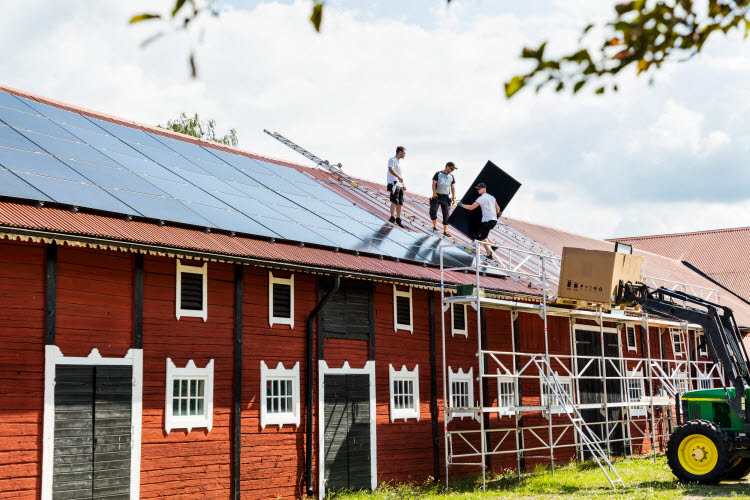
{"x":22,"y":372}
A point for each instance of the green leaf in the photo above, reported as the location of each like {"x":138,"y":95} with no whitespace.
{"x":514,"y":85}
{"x":177,"y":6}
{"x":587,"y":28}
{"x":622,"y":8}
{"x":193,"y":69}
{"x":317,"y":15}
{"x":600,"y":90}
{"x":578,"y":85}
{"x":143,"y":17}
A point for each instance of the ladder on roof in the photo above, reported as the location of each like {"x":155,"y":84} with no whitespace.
{"x":589,"y":439}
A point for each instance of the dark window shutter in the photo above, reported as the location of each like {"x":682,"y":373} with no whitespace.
{"x":403,"y":310}
{"x":347,"y":313}
{"x":631,"y":336}
{"x":459,"y":316}
{"x":282,"y":300}
{"x":191,"y":291}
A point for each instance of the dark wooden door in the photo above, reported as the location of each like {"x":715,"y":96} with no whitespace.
{"x":347,"y":432}
{"x":92,"y":432}
{"x":591,"y":390}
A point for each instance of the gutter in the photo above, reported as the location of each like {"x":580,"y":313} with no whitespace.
{"x":309,"y":382}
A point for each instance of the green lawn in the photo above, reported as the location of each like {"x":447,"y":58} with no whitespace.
{"x":643,"y":478}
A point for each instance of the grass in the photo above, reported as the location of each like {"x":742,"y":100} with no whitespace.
{"x":643,"y":478}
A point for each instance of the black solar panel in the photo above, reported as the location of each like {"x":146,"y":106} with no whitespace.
{"x":50,"y":154}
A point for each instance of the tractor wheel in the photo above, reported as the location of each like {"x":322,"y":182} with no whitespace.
{"x":739,"y":470}
{"x":700,"y":452}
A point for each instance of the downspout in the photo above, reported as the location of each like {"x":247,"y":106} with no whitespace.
{"x":433,"y":391}
{"x":309,"y":381}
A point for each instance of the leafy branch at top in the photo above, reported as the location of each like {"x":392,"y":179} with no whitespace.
{"x":643,"y":34}
{"x":202,"y":129}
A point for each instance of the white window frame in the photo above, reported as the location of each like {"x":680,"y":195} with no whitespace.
{"x":190,"y":422}
{"x":703,"y":351}
{"x":396,"y":325}
{"x":202,"y":270}
{"x":707,"y":379}
{"x":566,"y":382}
{"x":633,"y":347}
{"x":323,"y":370}
{"x":455,"y":331}
{"x":53,"y":356}
{"x":279,"y":373}
{"x":636,"y":376}
{"x":506,"y":402}
{"x":406,"y":376}
{"x":679,"y":332}
{"x":681,"y":381}
{"x":274,"y":320}
{"x":461,"y":376}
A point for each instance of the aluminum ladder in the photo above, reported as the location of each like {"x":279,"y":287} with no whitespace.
{"x":588,"y":438}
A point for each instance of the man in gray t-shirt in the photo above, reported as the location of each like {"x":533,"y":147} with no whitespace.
{"x":443,"y":195}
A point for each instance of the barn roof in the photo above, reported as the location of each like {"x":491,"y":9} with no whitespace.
{"x":382,"y":251}
{"x":720,"y":254}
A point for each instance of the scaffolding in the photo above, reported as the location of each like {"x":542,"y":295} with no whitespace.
{"x":645,"y":398}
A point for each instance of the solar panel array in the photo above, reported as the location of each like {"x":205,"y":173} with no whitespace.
{"x":54,"y":155}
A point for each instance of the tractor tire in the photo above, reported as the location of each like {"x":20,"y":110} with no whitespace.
{"x":739,"y":470}
{"x":700,"y":452}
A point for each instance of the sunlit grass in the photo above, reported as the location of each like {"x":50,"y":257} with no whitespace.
{"x":643,"y":479}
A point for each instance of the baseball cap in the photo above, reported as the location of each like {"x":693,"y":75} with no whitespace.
{"x":481,"y":185}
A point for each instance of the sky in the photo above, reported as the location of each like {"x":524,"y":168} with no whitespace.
{"x":653,"y":158}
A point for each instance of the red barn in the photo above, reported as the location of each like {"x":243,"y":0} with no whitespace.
{"x":187,"y":319}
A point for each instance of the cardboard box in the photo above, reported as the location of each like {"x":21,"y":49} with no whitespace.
{"x":593,"y":275}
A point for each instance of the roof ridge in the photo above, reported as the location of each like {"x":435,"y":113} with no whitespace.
{"x":672,"y":235}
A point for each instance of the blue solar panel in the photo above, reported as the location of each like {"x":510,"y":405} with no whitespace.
{"x":12,"y":139}
{"x":168,"y":159}
{"x":61,"y":116}
{"x":141,"y":165}
{"x":67,"y":149}
{"x":160,"y":207}
{"x":34,"y":123}
{"x":37,"y":163}
{"x":73,"y":193}
{"x":100,"y":139}
{"x":128,"y":134}
{"x":13,"y":186}
{"x":113,"y":177}
{"x":13,"y":102}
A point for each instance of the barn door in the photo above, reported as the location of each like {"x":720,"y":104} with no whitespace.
{"x":92,"y":432}
{"x":347,"y":432}
{"x":591,"y":387}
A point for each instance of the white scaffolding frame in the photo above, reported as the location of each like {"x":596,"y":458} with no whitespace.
{"x":656,"y":372}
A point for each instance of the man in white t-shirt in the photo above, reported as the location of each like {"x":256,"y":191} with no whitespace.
{"x":396,"y":186}
{"x":490,"y":213}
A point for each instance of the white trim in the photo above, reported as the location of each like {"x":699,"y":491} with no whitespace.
{"x":506,"y":409}
{"x":678,"y":332}
{"x":53,"y":357}
{"x":396,"y":325}
{"x":635,"y":375}
{"x":409,"y":376}
{"x":595,"y":328}
{"x":202,"y":270}
{"x":279,"y":372}
{"x":555,"y":408}
{"x":323,"y":370}
{"x":705,"y":377}
{"x":274,"y":320}
{"x":455,"y":331}
{"x":461,"y":376}
{"x":633,"y":347}
{"x":703,"y":351}
{"x":190,"y":422}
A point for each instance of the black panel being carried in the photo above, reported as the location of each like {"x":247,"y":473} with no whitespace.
{"x":92,"y":432}
{"x":347,"y":313}
{"x":499,"y":184}
{"x":347,"y":432}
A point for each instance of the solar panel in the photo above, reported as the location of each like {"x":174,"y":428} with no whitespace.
{"x":106,"y":166}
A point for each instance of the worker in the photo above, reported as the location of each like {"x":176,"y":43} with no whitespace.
{"x":443,"y":195}
{"x":396,"y":186}
{"x":490,"y":212}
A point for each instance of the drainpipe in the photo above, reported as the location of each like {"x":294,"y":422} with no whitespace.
{"x":309,"y":381}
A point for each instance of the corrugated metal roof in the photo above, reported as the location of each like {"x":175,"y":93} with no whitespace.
{"x":722,"y":254}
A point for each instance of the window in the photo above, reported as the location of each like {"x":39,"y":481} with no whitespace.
{"x":404,"y":392}
{"x":280,"y":300}
{"x":458,"y":320}
{"x":677,"y":346}
{"x":402,"y":315}
{"x":461,"y":390}
{"x":630,"y":334}
{"x":350,"y":313}
{"x":190,"y":394}
{"x":191,"y":291}
{"x":681,"y":383}
{"x":506,"y":395}
{"x":280,"y":390}
{"x":705,"y":381}
{"x":700,"y":338}
{"x":636,"y":390}
{"x":567,"y":386}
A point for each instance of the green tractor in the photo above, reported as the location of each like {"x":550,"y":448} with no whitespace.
{"x":713,"y":444}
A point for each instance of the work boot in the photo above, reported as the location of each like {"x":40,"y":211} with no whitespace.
{"x":392,"y":220}
{"x":447,"y":234}
{"x":398,"y":222}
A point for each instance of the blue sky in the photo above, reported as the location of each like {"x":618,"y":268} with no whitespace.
{"x":651,"y":159}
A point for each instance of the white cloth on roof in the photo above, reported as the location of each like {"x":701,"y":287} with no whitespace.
{"x":393,"y":164}
{"x":487,"y":204}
